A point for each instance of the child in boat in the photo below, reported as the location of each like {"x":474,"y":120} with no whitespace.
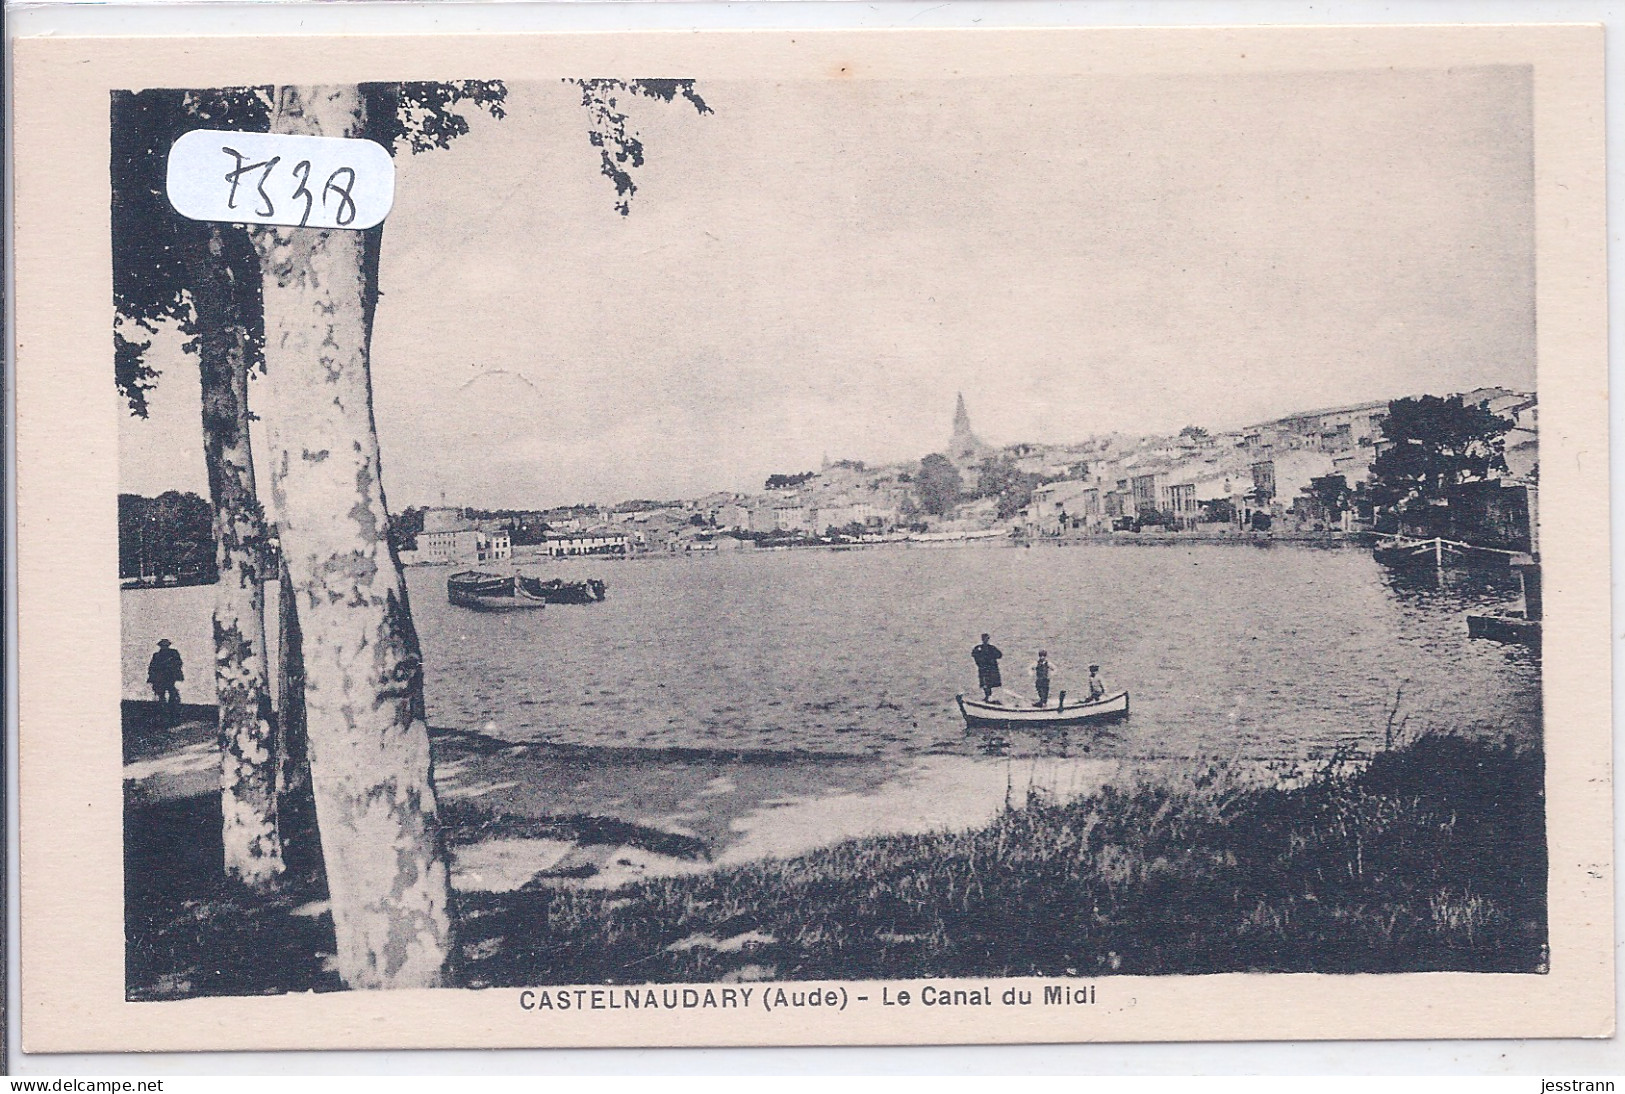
{"x":1097,"y":686}
{"x":1041,"y":677}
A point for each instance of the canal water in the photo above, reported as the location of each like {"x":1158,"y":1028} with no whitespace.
{"x":1258,"y":653}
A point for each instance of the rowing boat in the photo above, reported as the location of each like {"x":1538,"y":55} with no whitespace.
{"x":979,"y":715}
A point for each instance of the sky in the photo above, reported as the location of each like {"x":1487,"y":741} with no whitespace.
{"x":819,"y":266}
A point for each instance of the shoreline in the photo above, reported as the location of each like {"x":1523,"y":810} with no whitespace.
{"x":1428,"y":857}
{"x":1335,"y":540}
{"x":517,"y":814}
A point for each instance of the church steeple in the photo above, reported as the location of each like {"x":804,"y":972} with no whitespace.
{"x":965,"y":446}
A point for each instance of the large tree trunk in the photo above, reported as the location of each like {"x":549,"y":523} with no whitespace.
{"x":369,"y":747}
{"x":295,"y":808}
{"x":219,"y":257}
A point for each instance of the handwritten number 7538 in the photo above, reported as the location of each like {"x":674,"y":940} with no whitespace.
{"x":345,"y":214}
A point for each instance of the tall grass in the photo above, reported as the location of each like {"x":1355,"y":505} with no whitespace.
{"x":1429,"y":857}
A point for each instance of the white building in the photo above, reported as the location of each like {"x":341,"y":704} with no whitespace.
{"x":448,"y":545}
{"x":586,"y":543}
{"x":497,"y":546}
{"x":464,"y":545}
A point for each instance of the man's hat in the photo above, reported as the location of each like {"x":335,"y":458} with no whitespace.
{"x":1094,"y":668}
{"x":163,"y":641}
{"x":1041,"y":653}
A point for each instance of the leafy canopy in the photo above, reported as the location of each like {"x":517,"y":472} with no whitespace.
{"x":997,"y":477}
{"x":620,"y":149}
{"x":1433,"y":445}
{"x":150,"y":240}
{"x":938,"y":485}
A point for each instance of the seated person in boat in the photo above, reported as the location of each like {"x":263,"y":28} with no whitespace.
{"x":1041,"y":677}
{"x":987,"y":657}
{"x":1097,"y":686}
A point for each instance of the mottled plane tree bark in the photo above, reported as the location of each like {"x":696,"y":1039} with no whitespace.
{"x":205,"y":279}
{"x":371,"y":774}
{"x":370,"y":765}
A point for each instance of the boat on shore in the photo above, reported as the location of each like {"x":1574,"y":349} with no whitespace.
{"x":491,"y":592}
{"x":980,"y":715}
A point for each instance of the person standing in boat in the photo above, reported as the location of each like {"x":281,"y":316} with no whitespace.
{"x":164,"y":671}
{"x":987,"y":657}
{"x":1041,"y":677}
{"x":1097,"y":686}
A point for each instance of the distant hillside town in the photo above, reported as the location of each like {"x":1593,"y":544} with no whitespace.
{"x":1464,"y":466}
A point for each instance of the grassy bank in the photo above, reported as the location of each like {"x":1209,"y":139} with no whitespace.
{"x":1430,"y":857}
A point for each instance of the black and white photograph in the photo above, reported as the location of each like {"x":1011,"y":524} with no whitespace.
{"x":654,"y":541}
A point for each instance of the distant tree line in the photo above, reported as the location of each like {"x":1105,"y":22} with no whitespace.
{"x":170,"y":536}
{"x":786,"y":482}
{"x":405,"y":526}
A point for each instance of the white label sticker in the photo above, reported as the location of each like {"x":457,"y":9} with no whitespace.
{"x":277,"y":178}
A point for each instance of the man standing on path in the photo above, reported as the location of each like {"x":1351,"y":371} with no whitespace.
{"x":1041,"y":675}
{"x":164,"y":671}
{"x":987,"y":657}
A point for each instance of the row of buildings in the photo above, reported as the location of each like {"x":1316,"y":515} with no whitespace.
{"x":1303,"y":471}
{"x":1285,"y":470}
{"x":449,"y":537}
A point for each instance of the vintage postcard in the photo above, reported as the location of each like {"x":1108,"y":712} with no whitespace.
{"x":782,"y":537}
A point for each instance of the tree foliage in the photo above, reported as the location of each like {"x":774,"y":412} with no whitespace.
{"x":938,"y":485}
{"x":405,"y":527}
{"x":150,"y":240}
{"x":619,"y":148}
{"x":785,"y":482}
{"x":997,"y":477}
{"x":429,"y":116}
{"x":1433,"y":445}
{"x":170,"y":535}
{"x":1331,"y":495}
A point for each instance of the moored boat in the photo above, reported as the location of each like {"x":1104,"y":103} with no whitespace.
{"x":1506,"y":626}
{"x":557,"y":591}
{"x":1401,"y":553}
{"x":490,"y":592}
{"x":980,"y":715}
